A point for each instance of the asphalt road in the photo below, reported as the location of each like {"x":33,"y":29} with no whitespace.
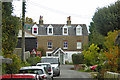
{"x":66,"y":72}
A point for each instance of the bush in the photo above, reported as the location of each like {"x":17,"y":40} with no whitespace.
{"x":66,"y":62}
{"x":14,"y":66}
{"x":78,"y":58}
{"x":36,"y":60}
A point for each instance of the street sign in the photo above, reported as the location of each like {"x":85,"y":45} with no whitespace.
{"x":33,"y":52}
{"x":38,"y":53}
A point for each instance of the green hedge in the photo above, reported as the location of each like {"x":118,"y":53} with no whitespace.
{"x":78,"y":58}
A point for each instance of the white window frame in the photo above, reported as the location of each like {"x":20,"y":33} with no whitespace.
{"x":49,"y":44}
{"x":48,"y":28}
{"x":78,"y":30}
{"x":79,"y":45}
{"x":63,"y":30}
{"x":35,"y":26}
{"x":65,"y":45}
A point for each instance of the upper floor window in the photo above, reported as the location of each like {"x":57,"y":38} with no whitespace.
{"x":65,"y":45}
{"x":35,"y":30}
{"x":79,"y":45}
{"x":65,"y":30}
{"x":49,"y":44}
{"x":50,"y":30}
{"x":78,"y":30}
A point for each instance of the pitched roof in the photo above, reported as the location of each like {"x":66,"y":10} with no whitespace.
{"x":27,"y":34}
{"x":57,"y":29}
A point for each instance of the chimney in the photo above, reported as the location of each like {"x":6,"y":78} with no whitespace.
{"x":69,"y":21}
{"x":41,"y":20}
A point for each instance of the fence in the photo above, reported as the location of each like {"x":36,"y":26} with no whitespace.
{"x":111,"y":75}
{"x":18,"y":51}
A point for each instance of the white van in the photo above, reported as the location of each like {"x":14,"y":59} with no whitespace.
{"x":55,"y":63}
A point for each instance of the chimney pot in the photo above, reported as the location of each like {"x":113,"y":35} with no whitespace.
{"x":41,"y":20}
{"x":69,"y":20}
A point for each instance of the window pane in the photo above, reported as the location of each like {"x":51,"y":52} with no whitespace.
{"x":78,"y":30}
{"x":35,"y":29}
{"x":78,"y":45}
{"x":50,"y":30}
{"x":65,"y":30}
{"x":65,"y":45}
{"x":49,"y":44}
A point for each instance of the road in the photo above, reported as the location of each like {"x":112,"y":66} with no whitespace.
{"x":66,"y":72}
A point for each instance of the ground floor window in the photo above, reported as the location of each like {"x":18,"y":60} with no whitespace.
{"x":65,"y":45}
{"x":49,"y":44}
{"x":79,"y":45}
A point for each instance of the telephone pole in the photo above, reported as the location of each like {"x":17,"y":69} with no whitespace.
{"x":23,"y":31}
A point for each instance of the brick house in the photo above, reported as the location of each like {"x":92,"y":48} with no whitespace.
{"x":61,"y":40}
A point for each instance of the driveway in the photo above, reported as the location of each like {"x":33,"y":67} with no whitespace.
{"x":66,"y":72}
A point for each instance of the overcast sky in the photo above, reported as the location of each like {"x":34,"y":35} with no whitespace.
{"x":57,"y":11}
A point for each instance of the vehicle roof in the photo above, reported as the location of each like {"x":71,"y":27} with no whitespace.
{"x":43,"y":63}
{"x":9,"y":76}
{"x":50,"y":57}
{"x":32,"y":67}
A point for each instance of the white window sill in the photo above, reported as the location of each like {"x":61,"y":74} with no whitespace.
{"x":65,"y":48}
{"x":50,"y":34}
{"x":79,"y":48}
{"x":49,"y":48}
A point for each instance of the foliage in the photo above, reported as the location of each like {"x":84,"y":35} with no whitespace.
{"x":93,"y":55}
{"x":78,"y":58}
{"x":14,"y":66}
{"x":97,"y":39}
{"x":43,"y":53}
{"x":112,"y":51}
{"x":106,"y":19}
{"x":29,"y":21}
{"x":10,"y":28}
{"x":69,"y":63}
{"x":31,"y":60}
{"x":37,"y":59}
{"x":25,"y":63}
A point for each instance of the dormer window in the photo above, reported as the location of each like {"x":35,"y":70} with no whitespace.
{"x":65,"y":30}
{"x":50,"y":30}
{"x":78,"y":30}
{"x":35,"y":30}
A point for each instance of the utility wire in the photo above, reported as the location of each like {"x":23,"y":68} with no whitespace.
{"x":57,"y":11}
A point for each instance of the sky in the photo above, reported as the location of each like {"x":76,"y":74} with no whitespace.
{"x":57,"y":11}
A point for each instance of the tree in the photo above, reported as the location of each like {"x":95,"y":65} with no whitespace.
{"x":107,"y":19}
{"x":10,"y":28}
{"x":93,"y":55}
{"x":29,"y":20}
{"x":112,"y":51}
{"x":95,"y":37}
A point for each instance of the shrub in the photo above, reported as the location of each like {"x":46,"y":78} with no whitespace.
{"x":78,"y":58}
{"x":14,"y":66}
{"x":36,"y":60}
{"x":69,"y":63}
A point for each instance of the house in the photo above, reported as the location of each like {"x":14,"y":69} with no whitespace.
{"x":61,"y":40}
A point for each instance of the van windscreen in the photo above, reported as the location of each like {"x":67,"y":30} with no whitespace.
{"x":50,"y":60}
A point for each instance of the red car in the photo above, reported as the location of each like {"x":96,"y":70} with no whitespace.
{"x":93,"y":67}
{"x":19,"y":77}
